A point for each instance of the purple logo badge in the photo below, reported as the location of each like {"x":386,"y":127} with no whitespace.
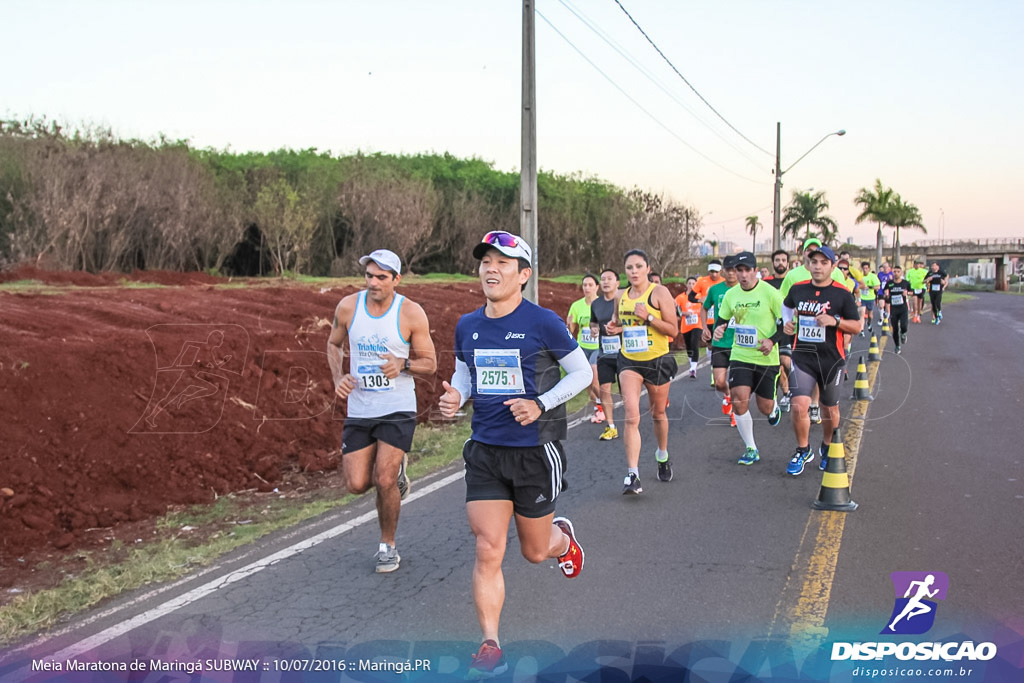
{"x":914,"y":608}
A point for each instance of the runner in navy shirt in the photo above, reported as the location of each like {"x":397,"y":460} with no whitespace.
{"x":507,"y":359}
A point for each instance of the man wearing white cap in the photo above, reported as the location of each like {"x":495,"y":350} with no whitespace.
{"x":388,"y":342}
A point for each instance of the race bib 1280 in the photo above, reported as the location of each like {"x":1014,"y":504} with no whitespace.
{"x":746,"y":336}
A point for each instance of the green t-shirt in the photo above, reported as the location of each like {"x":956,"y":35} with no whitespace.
{"x":800,"y":273}
{"x":579,"y":313}
{"x":755,"y":312}
{"x":871,"y":283}
{"x":714,"y":298}
{"x":915,"y":276}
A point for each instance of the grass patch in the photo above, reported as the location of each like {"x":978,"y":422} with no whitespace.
{"x":30,"y":287}
{"x":577,"y":403}
{"x":196,"y":536}
{"x":954,"y":297}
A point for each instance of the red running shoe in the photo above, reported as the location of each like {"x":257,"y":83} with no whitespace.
{"x":571,"y":563}
{"x":727,"y":405}
{"x":488,"y":662}
{"x":732,"y":420}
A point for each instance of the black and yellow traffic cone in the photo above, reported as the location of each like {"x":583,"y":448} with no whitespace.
{"x":861,"y":390}
{"x":873,"y":353}
{"x":885,"y":325}
{"x":835,"y":484}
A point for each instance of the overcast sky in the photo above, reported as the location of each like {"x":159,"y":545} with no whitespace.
{"x":929,"y":92}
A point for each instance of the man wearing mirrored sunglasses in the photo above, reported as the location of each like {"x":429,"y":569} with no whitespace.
{"x":509,"y":355}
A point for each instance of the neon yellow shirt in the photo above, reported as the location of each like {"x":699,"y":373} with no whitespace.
{"x":755,"y":311}
{"x":916,"y":276}
{"x":579,"y":313}
{"x":871,"y":283}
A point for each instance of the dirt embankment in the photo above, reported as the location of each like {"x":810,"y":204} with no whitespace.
{"x":117,"y":402}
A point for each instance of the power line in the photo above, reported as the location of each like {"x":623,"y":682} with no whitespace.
{"x":629,"y":58}
{"x":640,"y":106}
{"x":667,"y":61}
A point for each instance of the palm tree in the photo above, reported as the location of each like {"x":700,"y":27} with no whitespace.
{"x":753,"y":225}
{"x":806,"y":211}
{"x":875,"y":206}
{"x":903,"y":215}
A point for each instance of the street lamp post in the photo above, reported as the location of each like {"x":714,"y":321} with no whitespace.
{"x":776,"y":218}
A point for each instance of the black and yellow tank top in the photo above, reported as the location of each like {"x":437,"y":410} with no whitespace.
{"x":640,"y":341}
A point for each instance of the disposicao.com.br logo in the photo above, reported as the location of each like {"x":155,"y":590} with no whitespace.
{"x":913,"y":613}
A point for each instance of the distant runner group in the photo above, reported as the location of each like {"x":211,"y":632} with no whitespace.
{"x":781,"y":336}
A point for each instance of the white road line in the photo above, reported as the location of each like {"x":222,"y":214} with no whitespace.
{"x":248,"y":570}
{"x":195,"y":594}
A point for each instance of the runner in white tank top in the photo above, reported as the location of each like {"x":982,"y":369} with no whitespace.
{"x":369,"y":339}
{"x":388,"y":339}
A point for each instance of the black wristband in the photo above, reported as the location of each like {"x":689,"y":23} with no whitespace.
{"x":406,"y":364}
{"x":540,"y":404}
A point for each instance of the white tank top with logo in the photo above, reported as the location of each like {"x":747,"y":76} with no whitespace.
{"x":369,"y":337}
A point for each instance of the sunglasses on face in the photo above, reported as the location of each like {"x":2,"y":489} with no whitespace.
{"x":845,"y":270}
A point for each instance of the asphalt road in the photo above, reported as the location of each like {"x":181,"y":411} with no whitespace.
{"x":725,"y":570}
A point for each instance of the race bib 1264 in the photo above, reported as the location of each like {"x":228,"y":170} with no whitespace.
{"x":809,"y":330}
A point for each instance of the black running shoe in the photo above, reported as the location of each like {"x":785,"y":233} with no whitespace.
{"x":665,"y":470}
{"x":632,"y":485}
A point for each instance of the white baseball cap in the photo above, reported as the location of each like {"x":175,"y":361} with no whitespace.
{"x":386,"y":259}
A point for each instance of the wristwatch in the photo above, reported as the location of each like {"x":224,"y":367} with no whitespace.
{"x":406,"y":364}
{"x":650,"y":317}
{"x":540,"y":404}
{"x":839,"y":319}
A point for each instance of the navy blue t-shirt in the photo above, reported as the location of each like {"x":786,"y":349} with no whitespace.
{"x":515,"y":356}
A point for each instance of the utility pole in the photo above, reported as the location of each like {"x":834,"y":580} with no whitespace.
{"x":776,"y":219}
{"x":528,"y":168}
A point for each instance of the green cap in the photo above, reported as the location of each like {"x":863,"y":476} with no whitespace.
{"x":811,"y":241}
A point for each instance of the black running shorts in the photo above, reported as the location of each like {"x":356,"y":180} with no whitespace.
{"x":395,"y":430}
{"x":607,"y":369}
{"x":530,"y":477}
{"x":807,"y":373}
{"x":720,"y":356}
{"x":760,"y":378}
{"x":656,"y":371}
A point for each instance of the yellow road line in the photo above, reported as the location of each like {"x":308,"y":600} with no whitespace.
{"x":803,"y":605}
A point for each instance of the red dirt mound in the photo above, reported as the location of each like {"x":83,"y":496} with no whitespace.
{"x":120,"y":402}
